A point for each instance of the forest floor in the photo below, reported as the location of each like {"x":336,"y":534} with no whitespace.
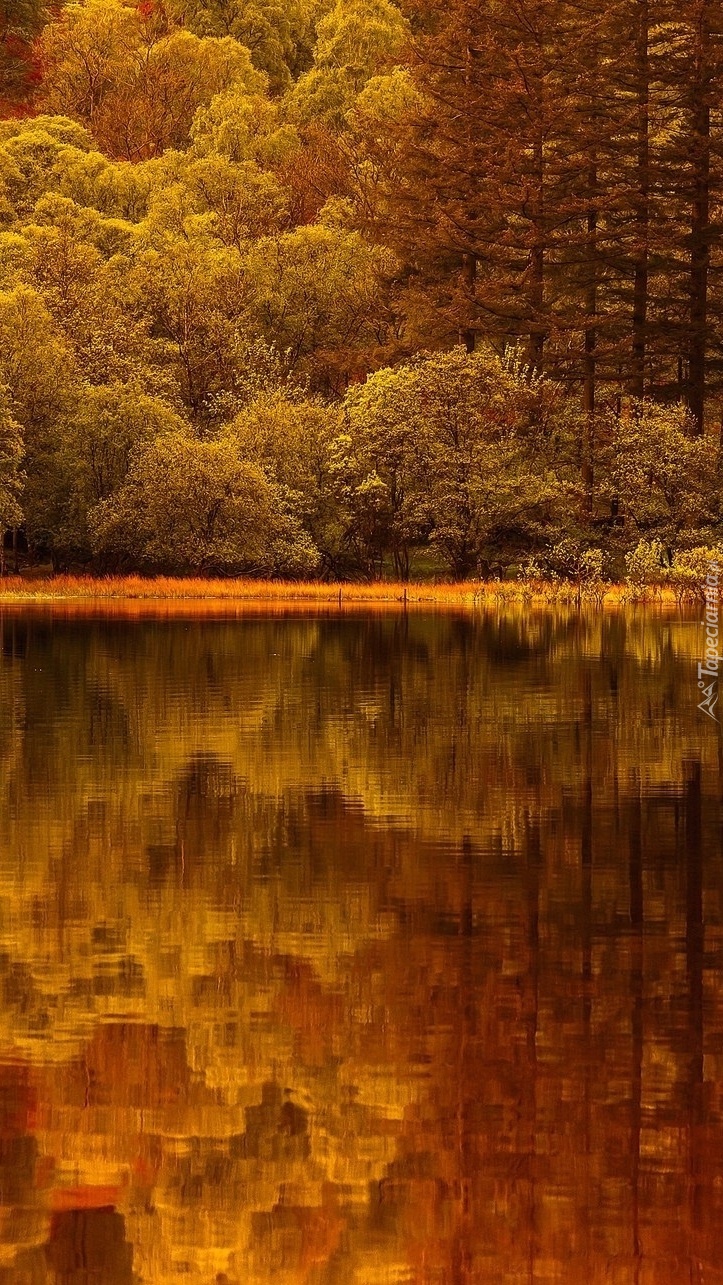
{"x":238,"y":594}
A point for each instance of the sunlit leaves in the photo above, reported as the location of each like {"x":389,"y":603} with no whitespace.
{"x":197,"y":505}
{"x":278,"y":35}
{"x":243,"y":126}
{"x":665,"y":477}
{"x":319,"y":294}
{"x":11,"y":456}
{"x":137,"y":89}
{"x":360,"y":37}
{"x":459,"y":448}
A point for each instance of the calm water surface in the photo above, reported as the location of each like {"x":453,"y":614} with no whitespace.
{"x":359,"y":950}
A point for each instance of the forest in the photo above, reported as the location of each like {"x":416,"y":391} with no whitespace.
{"x":354,"y":289}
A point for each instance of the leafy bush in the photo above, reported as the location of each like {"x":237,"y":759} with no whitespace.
{"x":566,"y":560}
{"x":647,"y":564}
{"x":691,"y":568}
{"x":195,"y":505}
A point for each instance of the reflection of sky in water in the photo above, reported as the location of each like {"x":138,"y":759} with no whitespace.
{"x":371,"y":949}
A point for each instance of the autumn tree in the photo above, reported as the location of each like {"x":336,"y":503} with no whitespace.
{"x":279,"y":37}
{"x":95,"y":446}
{"x":136,"y":86}
{"x":192,"y":293}
{"x":663,"y":476}
{"x":242,"y":124}
{"x":67,"y":262}
{"x":556,"y":179}
{"x":20,"y":22}
{"x":321,"y":294}
{"x":694,"y":171}
{"x":360,"y":37}
{"x":196,"y":505}
{"x":481,"y":193}
{"x":356,"y":40}
{"x":291,"y":437}
{"x":245,"y":201}
{"x":30,"y":150}
{"x":469,"y":449}
{"x":11,"y":476}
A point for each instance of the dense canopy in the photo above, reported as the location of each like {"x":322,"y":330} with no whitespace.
{"x":414,"y":288}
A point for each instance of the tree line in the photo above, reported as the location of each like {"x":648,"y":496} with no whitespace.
{"x":360,"y":288}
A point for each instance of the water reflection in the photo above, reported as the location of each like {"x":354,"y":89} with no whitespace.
{"x":359,"y":950}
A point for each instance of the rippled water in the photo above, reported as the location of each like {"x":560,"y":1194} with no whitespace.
{"x":359,"y":949}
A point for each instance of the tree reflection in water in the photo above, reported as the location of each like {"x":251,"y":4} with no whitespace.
{"x":359,"y":949}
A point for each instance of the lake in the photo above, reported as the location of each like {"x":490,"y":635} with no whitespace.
{"x":358,"y":949}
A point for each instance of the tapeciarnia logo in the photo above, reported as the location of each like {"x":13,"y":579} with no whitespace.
{"x":708,"y":670}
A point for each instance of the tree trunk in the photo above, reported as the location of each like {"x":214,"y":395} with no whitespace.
{"x":700,"y":214}
{"x":642,"y":213}
{"x":589,"y":359}
{"x":537,"y":257}
{"x":467,"y":335}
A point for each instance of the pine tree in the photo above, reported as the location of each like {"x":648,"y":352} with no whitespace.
{"x":484,"y":171}
{"x":699,"y":85}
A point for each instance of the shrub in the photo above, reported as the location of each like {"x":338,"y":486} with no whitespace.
{"x":566,"y":560}
{"x":691,"y":567}
{"x":647,"y":564}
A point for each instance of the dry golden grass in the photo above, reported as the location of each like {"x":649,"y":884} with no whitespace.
{"x":239,"y":590}
{"x":137,"y":594}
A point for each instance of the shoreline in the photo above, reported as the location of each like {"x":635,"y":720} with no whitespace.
{"x":169,"y":591}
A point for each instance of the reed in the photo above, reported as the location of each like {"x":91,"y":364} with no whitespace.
{"x":287,"y":594}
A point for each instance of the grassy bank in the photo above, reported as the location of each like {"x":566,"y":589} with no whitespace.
{"x":285,"y":595}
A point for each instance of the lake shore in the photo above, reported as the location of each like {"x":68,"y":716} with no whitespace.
{"x":286,"y":595}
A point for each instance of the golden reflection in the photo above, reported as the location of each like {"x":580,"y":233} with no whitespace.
{"x":359,"y":950}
